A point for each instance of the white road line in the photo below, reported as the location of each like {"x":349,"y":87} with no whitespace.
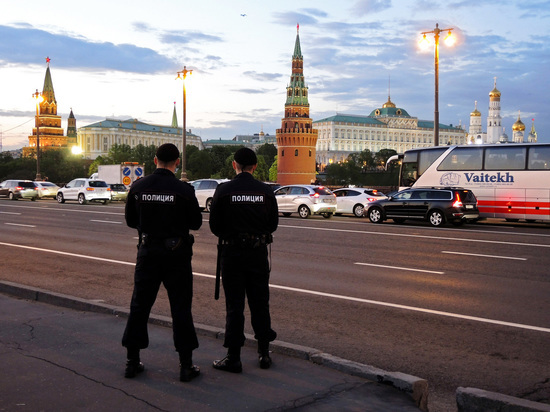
{"x":488,"y":256}
{"x":399,"y":268}
{"x":18,"y":224}
{"x":456,"y":239}
{"x":316,"y":293}
{"x":10,"y":213}
{"x":106,"y":221}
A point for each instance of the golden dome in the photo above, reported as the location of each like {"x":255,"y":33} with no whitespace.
{"x":389,"y":103}
{"x":475,"y":113}
{"x":494,"y":93}
{"x":518,"y":125}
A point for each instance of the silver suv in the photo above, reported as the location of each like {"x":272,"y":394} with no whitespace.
{"x":306,"y":200}
{"x":85,"y":190}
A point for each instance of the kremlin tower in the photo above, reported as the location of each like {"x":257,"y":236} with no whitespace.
{"x":296,"y":139}
{"x":49,"y":123}
{"x":494,"y":120}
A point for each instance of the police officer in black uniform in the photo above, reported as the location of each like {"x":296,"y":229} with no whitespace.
{"x":163,"y":209}
{"x":244,"y":215}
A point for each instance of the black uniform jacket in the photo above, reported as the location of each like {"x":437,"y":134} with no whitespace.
{"x":243,"y":206}
{"x":162,"y":206}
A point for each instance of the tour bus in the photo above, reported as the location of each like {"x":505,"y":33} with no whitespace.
{"x":510,"y":181}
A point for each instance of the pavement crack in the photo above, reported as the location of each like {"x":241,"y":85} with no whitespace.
{"x":316,"y":397}
{"x":99,"y":382}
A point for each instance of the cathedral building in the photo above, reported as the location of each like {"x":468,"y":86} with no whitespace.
{"x":495,"y":131}
{"x":296,"y":139}
{"x":48,"y":124}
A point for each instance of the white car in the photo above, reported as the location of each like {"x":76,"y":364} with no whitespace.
{"x":46,"y":189}
{"x":355,"y":199}
{"x":85,"y":190}
{"x":204,"y":190}
{"x":305,"y":200}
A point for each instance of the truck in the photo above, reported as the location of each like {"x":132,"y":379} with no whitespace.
{"x":125,"y":173}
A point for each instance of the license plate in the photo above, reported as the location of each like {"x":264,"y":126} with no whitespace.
{"x":469,"y":206}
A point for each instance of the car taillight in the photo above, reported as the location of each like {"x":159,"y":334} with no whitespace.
{"x":458,"y":202}
{"x":371,"y":199}
{"x":108,"y":189}
{"x":90,"y":189}
{"x":315,"y":195}
{"x":18,"y":188}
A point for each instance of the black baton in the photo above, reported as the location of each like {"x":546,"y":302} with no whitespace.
{"x":218,"y":271}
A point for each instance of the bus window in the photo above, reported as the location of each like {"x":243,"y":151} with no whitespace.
{"x":463,"y":158}
{"x":427,"y":157}
{"x":505,"y":158}
{"x":539,"y":158}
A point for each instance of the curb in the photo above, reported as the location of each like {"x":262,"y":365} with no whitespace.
{"x":413,"y":386}
{"x":478,"y":400}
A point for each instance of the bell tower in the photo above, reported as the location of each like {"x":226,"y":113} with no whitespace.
{"x":296,"y":139}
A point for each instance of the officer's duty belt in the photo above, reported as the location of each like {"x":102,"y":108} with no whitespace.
{"x":248,"y":241}
{"x":170,"y":243}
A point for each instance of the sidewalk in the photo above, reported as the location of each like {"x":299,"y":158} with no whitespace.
{"x":60,"y":353}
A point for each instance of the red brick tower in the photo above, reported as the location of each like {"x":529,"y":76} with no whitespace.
{"x":296,"y":139}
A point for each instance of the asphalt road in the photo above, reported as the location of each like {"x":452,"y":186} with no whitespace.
{"x":466,"y":306}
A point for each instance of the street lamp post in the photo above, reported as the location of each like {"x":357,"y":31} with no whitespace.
{"x":424,"y":42}
{"x":182,"y":75}
{"x":38,"y":96}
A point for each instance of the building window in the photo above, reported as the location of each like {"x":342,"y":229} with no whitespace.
{"x":310,"y":153}
{"x":283,"y":152}
{"x":296,"y":152}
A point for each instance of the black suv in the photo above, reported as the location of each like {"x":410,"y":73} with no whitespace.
{"x":434,"y":204}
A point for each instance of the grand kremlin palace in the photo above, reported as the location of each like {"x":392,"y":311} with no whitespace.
{"x":388,"y":127}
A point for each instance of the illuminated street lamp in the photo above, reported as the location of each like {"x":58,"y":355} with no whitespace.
{"x":182,"y":75}
{"x":424,"y":43}
{"x":38,"y":96}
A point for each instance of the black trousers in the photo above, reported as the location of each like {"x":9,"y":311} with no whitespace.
{"x":154,"y":266}
{"x":245,"y":272}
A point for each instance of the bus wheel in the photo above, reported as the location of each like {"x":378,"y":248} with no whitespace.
{"x":436,"y":218}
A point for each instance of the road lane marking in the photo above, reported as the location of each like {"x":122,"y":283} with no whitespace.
{"x":316,"y":293}
{"x":456,"y":239}
{"x":106,"y":221}
{"x":10,"y":213}
{"x":480,"y":255}
{"x":19,"y":224}
{"x":58,"y":252}
{"x":399,"y":268}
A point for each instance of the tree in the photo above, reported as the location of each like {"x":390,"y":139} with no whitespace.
{"x":269,"y":153}
{"x":262,"y":171}
{"x":364,"y":159}
{"x":199,"y":165}
{"x":381,"y":158}
{"x":119,"y":153}
{"x":273,"y":170}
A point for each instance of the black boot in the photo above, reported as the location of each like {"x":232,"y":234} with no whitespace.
{"x":231,"y":363}
{"x":133,"y":364}
{"x":264,"y":358}
{"x":188,"y":371}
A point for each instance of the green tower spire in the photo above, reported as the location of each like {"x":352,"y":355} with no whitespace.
{"x":47,"y":92}
{"x":297,"y":91}
{"x":174,"y":117}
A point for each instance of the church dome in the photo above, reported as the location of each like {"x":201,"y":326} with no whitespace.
{"x":475,"y":113}
{"x":518,"y":126}
{"x":494,"y":93}
{"x":389,"y":103}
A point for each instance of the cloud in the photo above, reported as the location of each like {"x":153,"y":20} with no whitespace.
{"x":262,"y":76}
{"x":292,"y":17}
{"x":363,"y":7}
{"x":23,"y":44}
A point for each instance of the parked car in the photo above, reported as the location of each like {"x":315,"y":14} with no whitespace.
{"x":85,"y":190}
{"x":18,"y":189}
{"x":46,"y":189}
{"x":305,"y":200}
{"x":204,"y":190}
{"x":119,"y":192}
{"x":354,"y":199}
{"x":435,"y":205}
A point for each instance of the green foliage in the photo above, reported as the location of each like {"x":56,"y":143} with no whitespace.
{"x":273,"y":170}
{"x":262,"y":171}
{"x":269,"y":153}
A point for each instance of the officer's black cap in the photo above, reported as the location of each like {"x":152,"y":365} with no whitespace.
{"x":245,"y":157}
{"x":167,"y":153}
